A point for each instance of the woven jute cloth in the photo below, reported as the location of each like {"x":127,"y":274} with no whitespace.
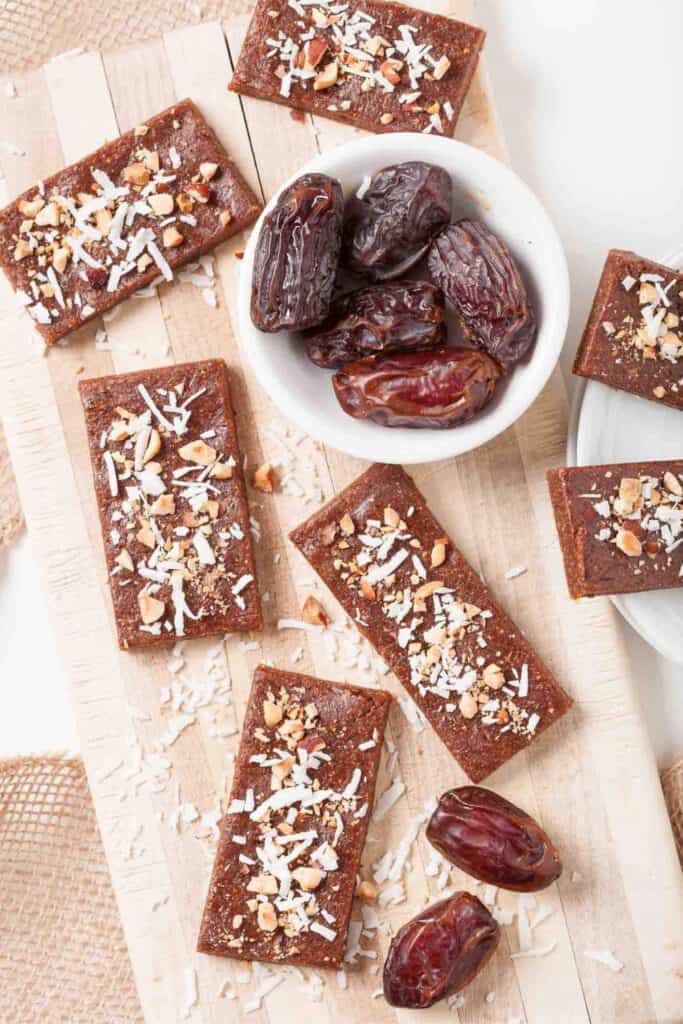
{"x":672,"y":784}
{"x":11,"y":519}
{"x":63,"y":959}
{"x":33,"y":31}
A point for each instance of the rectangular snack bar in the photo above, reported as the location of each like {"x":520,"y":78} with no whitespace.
{"x":290,"y":847}
{"x":175,"y":524}
{"x":377,"y":65}
{"x":423,"y":608}
{"x":620,"y":526}
{"x":89,"y":236}
{"x":634,"y":336}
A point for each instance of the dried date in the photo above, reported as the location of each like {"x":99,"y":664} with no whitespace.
{"x":439,"y":951}
{"x":492,"y":840}
{"x":297,"y":256}
{"x":380,"y":318}
{"x":438,"y":389}
{"x":482,"y":281}
{"x":390,"y":227}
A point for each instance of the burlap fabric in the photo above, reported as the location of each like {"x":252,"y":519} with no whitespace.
{"x":63,"y":959}
{"x":672,"y":784}
{"x":33,"y":31}
{"x":10,"y":510}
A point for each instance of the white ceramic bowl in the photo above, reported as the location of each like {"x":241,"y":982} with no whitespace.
{"x":483,"y":189}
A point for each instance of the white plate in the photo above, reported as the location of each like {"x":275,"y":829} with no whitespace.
{"x":303,"y":392}
{"x":613,"y":426}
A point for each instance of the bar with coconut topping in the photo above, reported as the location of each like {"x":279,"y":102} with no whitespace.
{"x":175,"y":523}
{"x":620,"y":526}
{"x":408,"y":589}
{"x":288,"y":857}
{"x":381,"y":66}
{"x":122,"y":218}
{"x":634,"y":336}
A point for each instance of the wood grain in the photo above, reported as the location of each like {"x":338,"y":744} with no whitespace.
{"x":591,"y":779}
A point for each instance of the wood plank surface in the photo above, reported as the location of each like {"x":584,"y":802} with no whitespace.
{"x":591,"y":779}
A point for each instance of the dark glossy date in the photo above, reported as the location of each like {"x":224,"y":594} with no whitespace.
{"x":440,"y":388}
{"x":297,"y":256}
{"x":482,"y":281}
{"x":390,"y":228}
{"x":492,"y":840}
{"x":398,"y":317}
{"x":439,"y":952}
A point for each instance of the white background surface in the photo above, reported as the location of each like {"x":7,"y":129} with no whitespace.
{"x":588,"y":94}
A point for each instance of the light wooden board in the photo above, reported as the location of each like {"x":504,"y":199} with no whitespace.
{"x":591,"y":779}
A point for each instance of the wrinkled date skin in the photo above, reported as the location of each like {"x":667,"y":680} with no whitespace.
{"x":482,"y":281}
{"x":391,"y":227}
{"x":297,"y":256}
{"x":381,"y":318}
{"x":492,"y":840}
{"x":437,"y":389}
{"x":439,"y":952}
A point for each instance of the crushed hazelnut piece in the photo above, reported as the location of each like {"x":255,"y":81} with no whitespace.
{"x":124,"y":560}
{"x":629,"y":543}
{"x":208,"y":170}
{"x":221,"y":471}
{"x":266,"y":917}
{"x":442,"y":66}
{"x":672,"y":483}
{"x":136,"y":174}
{"x":468,"y":705}
{"x":151,"y":609}
{"x":263,"y":884}
{"x":163,"y":506}
{"x":162,"y":203}
{"x":347,"y":525}
{"x":327,"y":77}
{"x":272,"y":714}
{"x":386,"y":119}
{"x":199,"y":452}
{"x":265,"y":479}
{"x":368,"y":891}
{"x":438,"y":555}
{"x":308,"y":878}
{"x":171,"y":237}
{"x":493,"y":676}
{"x":225,"y":217}
{"x":313,"y":612}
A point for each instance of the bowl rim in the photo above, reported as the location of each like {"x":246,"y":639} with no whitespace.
{"x":438,"y":444}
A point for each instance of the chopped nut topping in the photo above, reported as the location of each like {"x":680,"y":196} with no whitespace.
{"x":628,"y":543}
{"x":327,"y":77}
{"x":265,"y":479}
{"x":313,"y":612}
{"x":346,"y":525}
{"x":208,"y":170}
{"x":162,"y":204}
{"x":137,"y":174}
{"x":199,"y":452}
{"x":266,"y":917}
{"x":171,"y":238}
{"x":308,"y":878}
{"x":368,"y":891}
{"x":272,"y":714}
{"x":150,"y":608}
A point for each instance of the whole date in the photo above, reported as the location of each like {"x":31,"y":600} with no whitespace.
{"x":492,"y":840}
{"x":439,"y":951}
{"x":437,"y":389}
{"x":482,"y":281}
{"x":390,"y":227}
{"x":297,"y":255}
{"x":398,"y":317}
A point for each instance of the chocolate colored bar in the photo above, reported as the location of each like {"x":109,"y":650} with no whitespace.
{"x":175,"y":524}
{"x":620,"y":526}
{"x":427,"y":613}
{"x":381,"y":66}
{"x":89,"y":236}
{"x":634,"y":336}
{"x":291,"y":842}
